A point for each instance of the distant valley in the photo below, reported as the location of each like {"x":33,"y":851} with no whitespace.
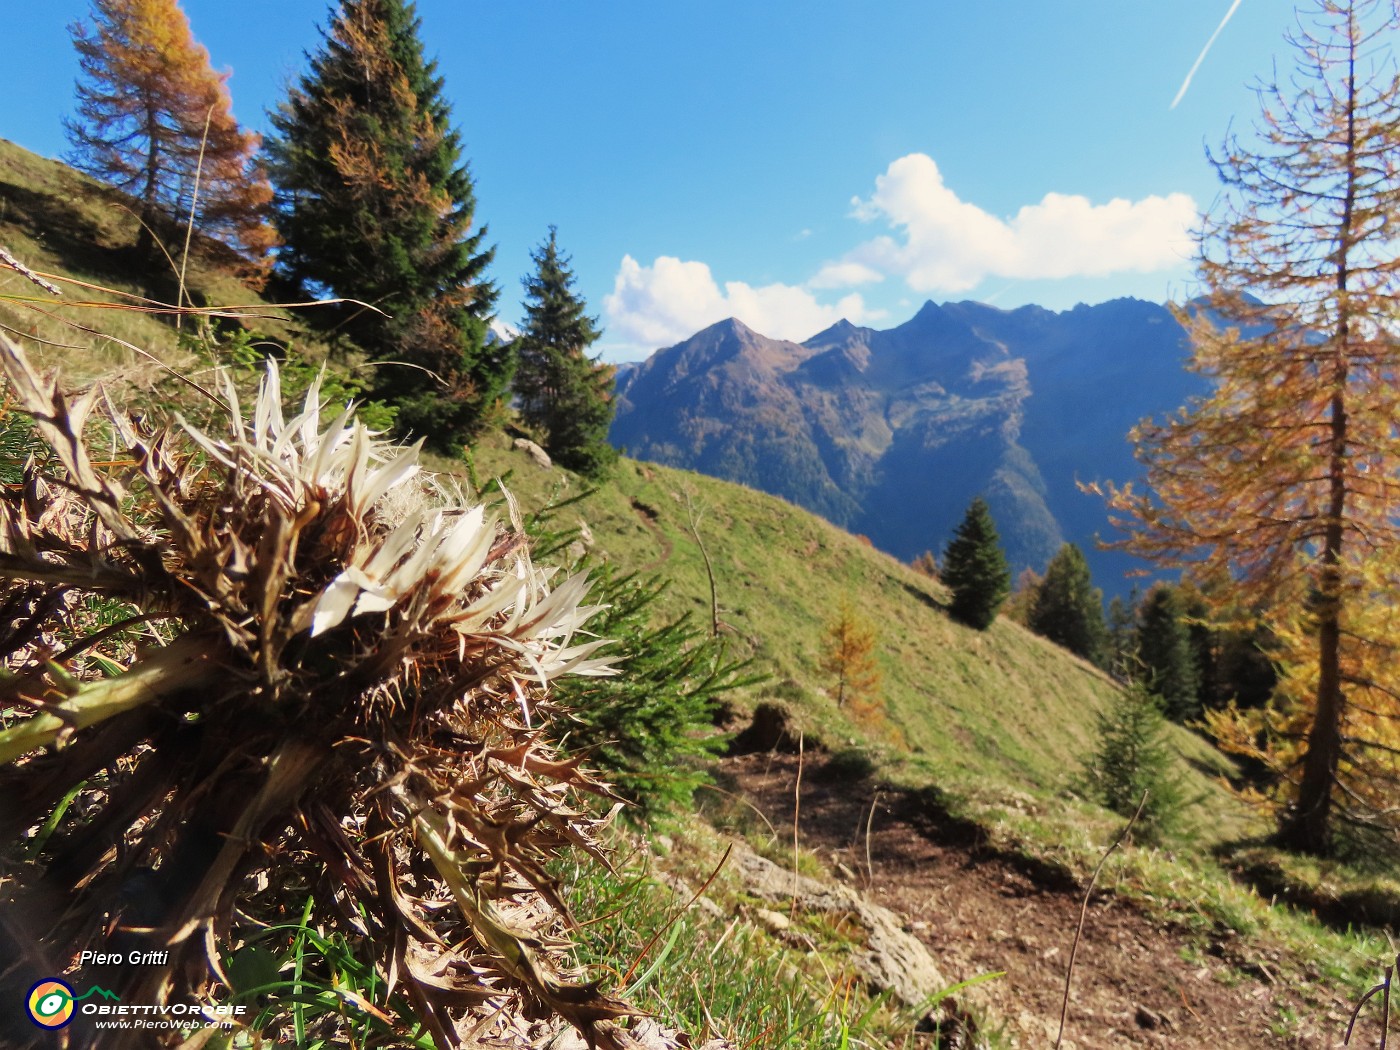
{"x":891,"y":433}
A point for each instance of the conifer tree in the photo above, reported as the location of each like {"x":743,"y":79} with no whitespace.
{"x":563,"y":391}
{"x":1286,"y":480}
{"x":1232,"y":650}
{"x":849,"y":658}
{"x":975,"y":568}
{"x":155,"y":121}
{"x":376,"y":205}
{"x":1068,"y":607}
{"x":1132,"y":756}
{"x":1022,"y":599}
{"x":1121,"y":644}
{"x":926,"y":564}
{"x":651,"y":726}
{"x":1167,"y":654}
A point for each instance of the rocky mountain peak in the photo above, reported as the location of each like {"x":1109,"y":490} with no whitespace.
{"x":890,"y":433}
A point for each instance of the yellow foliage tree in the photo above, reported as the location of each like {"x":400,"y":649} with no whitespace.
{"x":849,"y":658}
{"x":156,"y":121}
{"x":1285,"y":481}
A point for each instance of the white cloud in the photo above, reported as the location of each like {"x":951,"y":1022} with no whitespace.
{"x":938,"y":244}
{"x":670,"y":300}
{"x":950,"y":245}
{"x":844,"y":275}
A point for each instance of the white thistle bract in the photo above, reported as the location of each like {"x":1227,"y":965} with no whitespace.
{"x":344,"y":678}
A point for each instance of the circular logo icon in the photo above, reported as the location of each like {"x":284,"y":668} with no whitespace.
{"x":50,"y":1003}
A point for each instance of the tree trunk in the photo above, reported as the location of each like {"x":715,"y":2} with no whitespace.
{"x":145,"y":238}
{"x":1308,"y":827}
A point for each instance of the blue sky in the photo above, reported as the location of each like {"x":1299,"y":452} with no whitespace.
{"x":789,"y":163}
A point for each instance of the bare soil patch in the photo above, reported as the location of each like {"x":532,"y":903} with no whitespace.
{"x":1137,"y":982}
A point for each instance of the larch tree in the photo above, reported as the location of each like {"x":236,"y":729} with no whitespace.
{"x":1068,"y":607}
{"x":926,"y":564}
{"x":376,"y":205}
{"x":849,"y":658}
{"x":155,"y":121}
{"x":563,"y":391}
{"x":975,"y":568}
{"x":1283,"y":481}
{"x":1021,"y":601}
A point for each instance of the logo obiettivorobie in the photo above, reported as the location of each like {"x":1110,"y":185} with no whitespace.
{"x":51,"y":1002}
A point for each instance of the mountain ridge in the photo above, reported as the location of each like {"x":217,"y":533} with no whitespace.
{"x":890,"y":433}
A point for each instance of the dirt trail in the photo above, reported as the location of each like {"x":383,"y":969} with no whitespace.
{"x":1136,"y":983}
{"x":648,"y":517}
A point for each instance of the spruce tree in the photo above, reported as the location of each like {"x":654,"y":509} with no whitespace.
{"x":1132,"y":756}
{"x":155,"y":121}
{"x":1234,"y":652}
{"x":1068,"y":608}
{"x":562,"y":391}
{"x":376,"y":205}
{"x":1121,"y":646}
{"x":1167,"y":654}
{"x":975,"y":568}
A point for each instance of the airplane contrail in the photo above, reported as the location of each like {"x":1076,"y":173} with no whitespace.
{"x":1204,"y":51}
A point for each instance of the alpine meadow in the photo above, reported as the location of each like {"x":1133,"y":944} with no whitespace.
{"x":500,"y":547}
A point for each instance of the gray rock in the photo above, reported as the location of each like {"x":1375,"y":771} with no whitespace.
{"x":644,"y":1034}
{"x":685,"y":892}
{"x":534,"y":451}
{"x":893,"y":960}
{"x":772,"y":921}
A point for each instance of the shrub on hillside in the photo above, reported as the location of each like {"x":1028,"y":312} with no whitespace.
{"x":851,"y":764}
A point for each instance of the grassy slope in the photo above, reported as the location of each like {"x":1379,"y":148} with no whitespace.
{"x":1003,"y":706}
{"x":1001,"y":719}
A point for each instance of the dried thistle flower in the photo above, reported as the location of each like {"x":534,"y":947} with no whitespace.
{"x":354,"y":671}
